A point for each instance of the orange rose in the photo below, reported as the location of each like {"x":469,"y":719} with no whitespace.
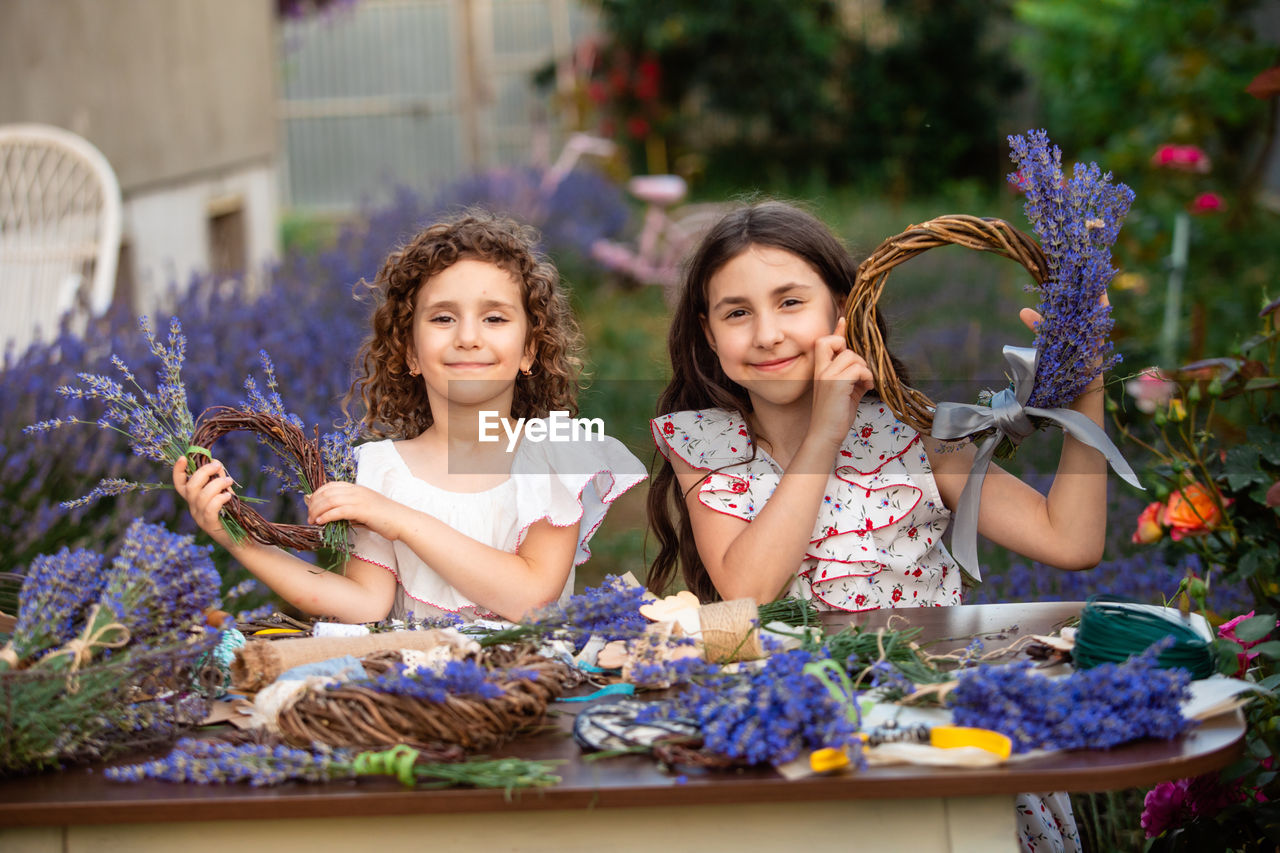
{"x":1192,"y":511}
{"x":1150,"y":525}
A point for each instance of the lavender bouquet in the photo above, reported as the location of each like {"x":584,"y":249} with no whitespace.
{"x":610,"y":611}
{"x":1077,"y":221}
{"x":101,"y":655}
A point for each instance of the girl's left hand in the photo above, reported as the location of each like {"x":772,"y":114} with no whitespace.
{"x":337,"y":501}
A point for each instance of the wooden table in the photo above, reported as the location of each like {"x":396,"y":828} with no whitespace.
{"x":622,"y":803}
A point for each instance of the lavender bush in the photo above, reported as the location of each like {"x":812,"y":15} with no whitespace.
{"x":305,"y":317}
{"x":572,"y":215}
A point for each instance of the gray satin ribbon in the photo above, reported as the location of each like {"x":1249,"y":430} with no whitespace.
{"x":1010,"y":417}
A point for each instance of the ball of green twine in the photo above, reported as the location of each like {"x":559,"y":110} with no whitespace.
{"x":1111,"y":632}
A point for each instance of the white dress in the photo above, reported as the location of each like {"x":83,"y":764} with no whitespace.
{"x":563,"y":482}
{"x":877,"y":541}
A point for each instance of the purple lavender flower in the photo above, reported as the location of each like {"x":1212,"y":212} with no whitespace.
{"x":456,"y":678}
{"x":610,"y":611}
{"x":1096,"y":708}
{"x":768,"y":715}
{"x":213,"y":763}
{"x":160,"y":583}
{"x":57,"y":592}
{"x":1077,"y":221}
{"x":158,"y":424}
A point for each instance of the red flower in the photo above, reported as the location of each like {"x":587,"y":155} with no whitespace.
{"x":738,"y":487}
{"x":648,"y":74}
{"x":597,"y":92}
{"x":668,"y":428}
{"x":912,"y":533}
{"x":867,"y":431}
{"x":637,"y":127}
{"x":1183,"y":158}
{"x":897,"y":593}
{"x":1206,"y":203}
{"x":831,"y":531}
{"x":1150,"y":524}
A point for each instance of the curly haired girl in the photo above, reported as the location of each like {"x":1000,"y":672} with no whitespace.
{"x":466,"y":504}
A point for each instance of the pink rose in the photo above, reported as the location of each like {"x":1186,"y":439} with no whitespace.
{"x":1227,"y":631}
{"x":1182,"y":158}
{"x":1165,"y":807}
{"x":1151,"y":389}
{"x":1206,"y":203}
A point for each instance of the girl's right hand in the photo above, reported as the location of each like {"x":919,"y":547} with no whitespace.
{"x":840,"y":378}
{"x":206,"y":492}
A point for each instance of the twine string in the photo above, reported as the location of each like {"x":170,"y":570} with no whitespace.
{"x":80,"y":649}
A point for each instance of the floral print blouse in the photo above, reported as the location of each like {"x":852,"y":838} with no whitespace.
{"x":877,"y":541}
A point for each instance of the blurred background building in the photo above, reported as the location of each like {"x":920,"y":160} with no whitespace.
{"x":181,"y":99}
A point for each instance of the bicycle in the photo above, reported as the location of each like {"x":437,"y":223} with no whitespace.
{"x":667,"y":234}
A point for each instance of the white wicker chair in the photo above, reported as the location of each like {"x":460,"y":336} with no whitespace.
{"x":59,"y":231}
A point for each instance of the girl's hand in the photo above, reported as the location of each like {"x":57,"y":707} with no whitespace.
{"x":206,"y":492}
{"x":337,"y":501}
{"x":840,"y":378}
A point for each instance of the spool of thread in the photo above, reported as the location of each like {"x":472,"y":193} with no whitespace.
{"x":1112,"y":630}
{"x":731,"y":630}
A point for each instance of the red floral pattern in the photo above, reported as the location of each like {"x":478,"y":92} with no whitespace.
{"x":876,"y":542}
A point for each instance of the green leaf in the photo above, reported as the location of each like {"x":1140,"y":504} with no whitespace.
{"x":1242,"y":469}
{"x":1271,"y":682}
{"x":1250,"y":564}
{"x":1269,"y":649}
{"x":1254,"y":629}
{"x":1227,"y":656}
{"x":1262,"y":383}
{"x":1241,"y":768}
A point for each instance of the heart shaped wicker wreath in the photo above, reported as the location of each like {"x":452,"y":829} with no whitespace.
{"x":861,"y":312}
{"x":292,"y":443}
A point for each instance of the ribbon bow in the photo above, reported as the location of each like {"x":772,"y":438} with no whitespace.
{"x":1009,"y":417}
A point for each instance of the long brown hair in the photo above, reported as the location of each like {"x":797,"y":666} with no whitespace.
{"x":395,"y":402}
{"x":698,"y":381}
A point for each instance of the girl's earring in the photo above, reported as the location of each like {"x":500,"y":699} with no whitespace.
{"x":526,"y":371}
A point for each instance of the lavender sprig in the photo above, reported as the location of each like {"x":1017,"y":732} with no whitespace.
{"x":1077,"y":221}
{"x":610,"y":611}
{"x":456,"y":678}
{"x":214,"y":763}
{"x":1096,"y":708}
{"x":158,"y":424}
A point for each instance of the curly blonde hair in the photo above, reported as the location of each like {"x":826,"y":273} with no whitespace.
{"x":395,"y":402}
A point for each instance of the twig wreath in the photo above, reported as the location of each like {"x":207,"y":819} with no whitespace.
{"x":1077,"y":220}
{"x":299,"y":452}
{"x":159,"y":426}
{"x":476,"y":705}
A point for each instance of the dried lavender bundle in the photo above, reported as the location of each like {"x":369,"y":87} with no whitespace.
{"x":1077,"y":221}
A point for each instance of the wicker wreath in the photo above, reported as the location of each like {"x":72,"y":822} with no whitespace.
{"x":357,"y":717}
{"x":216,"y":422}
{"x":861,"y":311}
